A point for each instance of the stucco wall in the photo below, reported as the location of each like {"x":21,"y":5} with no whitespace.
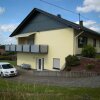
{"x":60,"y":44}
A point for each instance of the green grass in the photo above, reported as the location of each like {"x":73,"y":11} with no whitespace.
{"x":18,"y":91}
{"x":98,"y":56}
{"x":10,"y":61}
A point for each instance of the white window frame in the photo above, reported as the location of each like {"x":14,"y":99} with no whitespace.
{"x":55,"y":67}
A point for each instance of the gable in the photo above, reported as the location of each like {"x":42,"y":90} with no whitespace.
{"x":41,"y":22}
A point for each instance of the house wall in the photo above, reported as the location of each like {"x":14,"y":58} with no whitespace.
{"x":90,"y":41}
{"x":60,"y":44}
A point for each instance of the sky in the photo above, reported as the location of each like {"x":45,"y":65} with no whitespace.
{"x":12,"y":13}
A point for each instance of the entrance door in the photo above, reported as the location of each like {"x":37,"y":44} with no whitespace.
{"x":40,"y":64}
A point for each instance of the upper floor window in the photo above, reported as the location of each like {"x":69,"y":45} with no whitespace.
{"x":94,"y":42}
{"x":30,"y":39}
{"x":82,"y":41}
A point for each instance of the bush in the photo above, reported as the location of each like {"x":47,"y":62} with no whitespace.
{"x":72,"y":61}
{"x":90,"y":66}
{"x":89,"y":51}
{"x":5,"y":58}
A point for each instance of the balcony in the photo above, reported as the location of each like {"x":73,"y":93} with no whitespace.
{"x":40,"y":49}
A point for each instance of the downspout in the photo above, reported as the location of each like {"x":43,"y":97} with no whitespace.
{"x":75,"y":42}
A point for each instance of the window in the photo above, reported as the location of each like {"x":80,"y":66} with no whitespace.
{"x":56,"y":63}
{"x":7,"y":66}
{"x":0,"y":67}
{"x":30,"y":41}
{"x":99,"y":43}
{"x":94,"y":42}
{"x":82,"y":41}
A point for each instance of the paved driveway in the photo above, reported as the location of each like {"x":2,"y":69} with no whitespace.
{"x":26,"y":76}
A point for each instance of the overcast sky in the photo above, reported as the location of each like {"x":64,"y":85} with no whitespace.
{"x":12,"y":12}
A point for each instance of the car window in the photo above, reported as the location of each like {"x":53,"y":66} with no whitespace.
{"x":0,"y":67}
{"x":7,"y":66}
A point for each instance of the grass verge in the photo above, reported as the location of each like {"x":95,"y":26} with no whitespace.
{"x":10,"y":61}
{"x":18,"y":91}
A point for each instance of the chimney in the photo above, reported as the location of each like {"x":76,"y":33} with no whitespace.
{"x":81,"y":23}
{"x":59,"y":15}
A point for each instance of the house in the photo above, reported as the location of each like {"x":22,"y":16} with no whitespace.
{"x":44,"y":40}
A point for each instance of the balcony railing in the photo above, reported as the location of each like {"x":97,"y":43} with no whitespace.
{"x":27,"y":48}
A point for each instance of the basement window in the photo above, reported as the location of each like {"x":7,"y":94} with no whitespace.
{"x":56,"y":63}
{"x":82,"y":41}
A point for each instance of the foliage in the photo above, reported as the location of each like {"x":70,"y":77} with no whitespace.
{"x":72,"y":60}
{"x":9,"y":53}
{"x":89,"y":51}
{"x":90,"y":66}
{"x":68,"y":68}
{"x":10,"y":61}
{"x":5,"y":57}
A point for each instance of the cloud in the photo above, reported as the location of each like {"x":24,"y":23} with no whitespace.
{"x":2,"y":10}
{"x":7,"y":27}
{"x":91,"y":25}
{"x":5,"y":31}
{"x":89,"y":5}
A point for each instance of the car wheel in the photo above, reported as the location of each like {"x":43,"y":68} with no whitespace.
{"x":2,"y":74}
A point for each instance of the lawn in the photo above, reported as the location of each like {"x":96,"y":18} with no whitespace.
{"x":10,"y":61}
{"x":18,"y":91}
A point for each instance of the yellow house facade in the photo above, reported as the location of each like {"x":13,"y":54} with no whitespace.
{"x":44,"y":40}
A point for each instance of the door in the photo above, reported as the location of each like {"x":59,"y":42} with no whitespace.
{"x":40,"y":64}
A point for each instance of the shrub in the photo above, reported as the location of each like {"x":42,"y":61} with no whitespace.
{"x":89,"y":51}
{"x":72,"y":61}
{"x":5,"y":58}
{"x":90,"y":66}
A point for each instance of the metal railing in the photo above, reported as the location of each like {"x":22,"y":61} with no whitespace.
{"x":27,"y":48}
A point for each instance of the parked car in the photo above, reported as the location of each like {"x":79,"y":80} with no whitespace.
{"x":25,"y":66}
{"x":6,"y":69}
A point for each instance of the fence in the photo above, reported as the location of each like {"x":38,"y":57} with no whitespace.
{"x":65,"y":74}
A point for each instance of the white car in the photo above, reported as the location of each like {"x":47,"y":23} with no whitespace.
{"x":6,"y":70}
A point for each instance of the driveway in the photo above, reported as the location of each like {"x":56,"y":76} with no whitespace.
{"x":26,"y":76}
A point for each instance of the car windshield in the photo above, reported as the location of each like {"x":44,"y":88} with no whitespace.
{"x":7,"y":66}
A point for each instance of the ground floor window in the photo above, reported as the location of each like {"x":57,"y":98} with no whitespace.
{"x":94,"y":42}
{"x":82,"y":41}
{"x":99,"y":43}
{"x":56,"y":63}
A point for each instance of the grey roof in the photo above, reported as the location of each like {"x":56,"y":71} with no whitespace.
{"x":35,"y":11}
